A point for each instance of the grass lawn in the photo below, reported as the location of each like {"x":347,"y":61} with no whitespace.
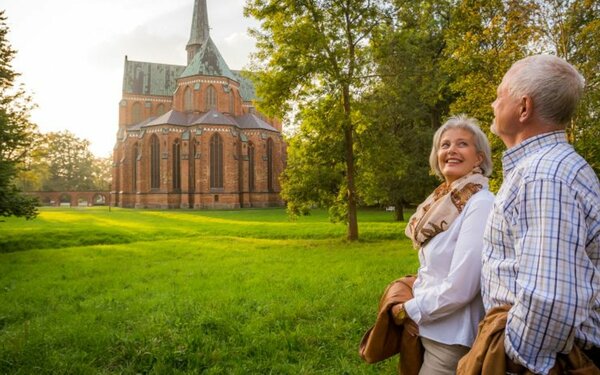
{"x":88,"y":291}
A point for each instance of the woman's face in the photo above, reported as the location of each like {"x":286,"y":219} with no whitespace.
{"x":457,"y":154}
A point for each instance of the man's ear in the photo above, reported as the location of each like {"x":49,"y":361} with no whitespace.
{"x":525,"y":108}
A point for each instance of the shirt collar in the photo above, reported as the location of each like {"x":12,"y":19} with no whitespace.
{"x":513,"y":155}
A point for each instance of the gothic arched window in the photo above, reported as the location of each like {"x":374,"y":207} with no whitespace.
{"x":231,"y":102}
{"x":134,"y":157}
{"x":250,"y":166}
{"x":216,"y":161}
{"x":211,"y":98}
{"x":160,"y":109}
{"x":176,"y":165}
{"x":187,"y":99}
{"x":192,"y":168}
{"x":154,"y":162}
{"x":136,"y":113}
{"x":270,"y":164}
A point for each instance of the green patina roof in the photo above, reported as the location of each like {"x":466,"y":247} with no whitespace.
{"x":200,"y":30}
{"x":146,"y":78}
{"x":246,"y":86}
{"x":208,"y":62}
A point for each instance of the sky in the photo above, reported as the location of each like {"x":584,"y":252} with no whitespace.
{"x":71,"y":53}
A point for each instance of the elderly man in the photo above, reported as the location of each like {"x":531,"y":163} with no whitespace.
{"x":542,"y":243}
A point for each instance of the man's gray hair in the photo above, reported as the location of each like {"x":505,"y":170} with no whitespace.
{"x":481,"y":142}
{"x":553,"y":84}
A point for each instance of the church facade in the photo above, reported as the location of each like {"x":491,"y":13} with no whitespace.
{"x":190,"y":136}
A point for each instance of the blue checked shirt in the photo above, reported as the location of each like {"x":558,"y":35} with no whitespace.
{"x":542,"y":251}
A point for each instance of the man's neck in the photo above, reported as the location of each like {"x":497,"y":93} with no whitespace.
{"x":530,"y":130}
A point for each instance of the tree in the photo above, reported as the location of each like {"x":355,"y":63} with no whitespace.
{"x":68,"y":161}
{"x":316,"y":50}
{"x":314,"y":175}
{"x":571,"y":29}
{"x":33,"y":171}
{"x":102,"y":173}
{"x":406,"y":105}
{"x":60,"y":161}
{"x":484,"y":39}
{"x":16,"y":132}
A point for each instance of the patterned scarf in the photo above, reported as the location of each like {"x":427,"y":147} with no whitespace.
{"x":443,"y":206}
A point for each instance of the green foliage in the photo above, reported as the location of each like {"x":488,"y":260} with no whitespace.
{"x":314,"y":175}
{"x":396,"y":172}
{"x":405,"y":106}
{"x":424,"y":61}
{"x":70,"y":163}
{"x":33,"y":172}
{"x":307,"y":50}
{"x":15,"y":132}
{"x":486,"y":37}
{"x":101,"y":173}
{"x":214,"y":292}
{"x":60,"y":161}
{"x":311,"y":53}
{"x":571,"y":31}
{"x":484,"y":40}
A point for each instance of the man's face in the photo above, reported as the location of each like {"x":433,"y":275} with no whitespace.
{"x":506,"y":113}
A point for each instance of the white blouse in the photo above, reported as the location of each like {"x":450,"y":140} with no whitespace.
{"x":447,"y":304}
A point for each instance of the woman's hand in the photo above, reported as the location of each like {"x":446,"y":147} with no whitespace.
{"x":411,"y":327}
{"x":398,"y":317}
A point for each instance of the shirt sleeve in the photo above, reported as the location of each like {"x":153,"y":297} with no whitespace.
{"x":554,"y":275}
{"x":462,"y":283}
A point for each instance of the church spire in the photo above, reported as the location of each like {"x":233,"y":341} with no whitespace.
{"x":200,"y":31}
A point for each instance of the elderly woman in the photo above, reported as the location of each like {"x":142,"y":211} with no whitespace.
{"x":447,"y":229}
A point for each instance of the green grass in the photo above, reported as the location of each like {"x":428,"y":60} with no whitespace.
{"x":87,"y":291}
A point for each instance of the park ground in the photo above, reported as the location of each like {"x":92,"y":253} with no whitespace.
{"x":93,"y":291}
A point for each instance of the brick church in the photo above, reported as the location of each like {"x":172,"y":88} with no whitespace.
{"x":190,"y":136}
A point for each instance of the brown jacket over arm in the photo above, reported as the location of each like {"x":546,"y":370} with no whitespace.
{"x":487,"y":356}
{"x":386,"y":339}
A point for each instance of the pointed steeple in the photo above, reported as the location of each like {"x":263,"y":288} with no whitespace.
{"x":200,"y":30}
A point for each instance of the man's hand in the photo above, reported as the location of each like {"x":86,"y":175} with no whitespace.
{"x":513,"y":367}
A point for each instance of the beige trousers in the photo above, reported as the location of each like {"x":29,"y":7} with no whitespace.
{"x":441,"y":359}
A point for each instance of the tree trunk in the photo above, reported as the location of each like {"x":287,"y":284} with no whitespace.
{"x":349,"y":153}
{"x":399,"y":211}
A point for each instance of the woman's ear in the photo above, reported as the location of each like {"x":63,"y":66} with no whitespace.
{"x":479,"y":159}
